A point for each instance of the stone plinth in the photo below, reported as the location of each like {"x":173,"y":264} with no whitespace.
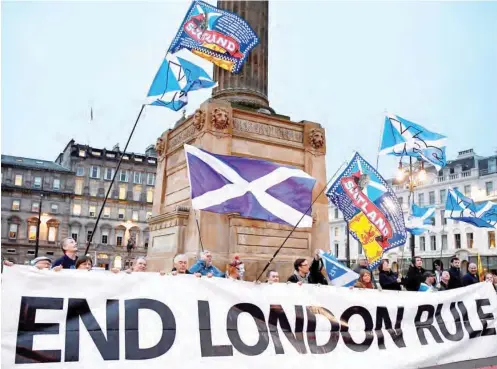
{"x":222,"y":129}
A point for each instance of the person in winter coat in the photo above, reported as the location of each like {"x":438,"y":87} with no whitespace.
{"x":388,"y":279}
{"x":204,"y":266}
{"x":455,"y":273}
{"x":364,"y":280}
{"x":304,"y":273}
{"x":362,"y":264}
{"x":444,"y":281}
{"x":471,"y":276}
{"x":414,"y":275}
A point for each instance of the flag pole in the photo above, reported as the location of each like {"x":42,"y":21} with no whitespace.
{"x":198,"y":227}
{"x":113,"y":179}
{"x":296,"y":225}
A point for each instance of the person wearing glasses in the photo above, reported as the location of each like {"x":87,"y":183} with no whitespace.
{"x":308,"y":273}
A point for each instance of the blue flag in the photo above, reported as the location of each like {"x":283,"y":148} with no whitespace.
{"x":253,"y":188}
{"x":217,"y":35}
{"x":421,"y":219}
{"x":174,"y":80}
{"x":404,"y":138}
{"x":371,"y":208}
{"x":338,"y":274}
{"x":464,"y":209}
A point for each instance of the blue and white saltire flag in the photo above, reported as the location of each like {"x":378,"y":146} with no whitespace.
{"x":338,"y":274}
{"x":464,"y":209}
{"x":253,"y":188}
{"x":174,"y":80}
{"x":421,"y":219}
{"x":404,"y":138}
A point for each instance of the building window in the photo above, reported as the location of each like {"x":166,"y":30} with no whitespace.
{"x":442,"y":217}
{"x":78,"y":188}
{"x":30,"y":252}
{"x":119,"y":237}
{"x":106,"y":212}
{"x":94,"y":172}
{"x":18,"y":180}
{"x":137,"y":191}
{"x":337,"y":232}
{"x":433,"y":243}
{"x":109,"y":173}
{"x":105,"y":236}
{"x":16,"y":205}
{"x":122,"y":192}
{"x":13,"y":228}
{"x":422,"y":243}
{"x":37,"y":182}
{"x":137,"y":178}
{"x":444,"y":242}
{"x":492,"y":165}
{"x":337,"y":250}
{"x":123,"y":176}
{"x":469,"y":240}
{"x":467,"y":190}
{"x":88,"y":235}
{"x":149,"y":214}
{"x":443,"y":196}
{"x":431,"y":197}
{"x":11,"y":251}
{"x":134,"y":217}
{"x":150,"y":195}
{"x":55,"y":208}
{"x":76,"y":209}
{"x":56,"y":184}
{"x":121,"y":213}
{"x":52,"y":234}
{"x":74,"y":235}
{"x":35,"y":206}
{"x":93,"y":211}
{"x":489,"y":187}
{"x":32,"y":232}
{"x":336,"y":213}
{"x":80,"y":171}
{"x":82,"y":153}
{"x":457,"y":241}
{"x":491,"y":239}
{"x":150,"y":179}
{"x":50,"y":253}
{"x":421,"y":199}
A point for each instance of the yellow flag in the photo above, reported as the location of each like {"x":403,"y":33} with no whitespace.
{"x":481,"y":273}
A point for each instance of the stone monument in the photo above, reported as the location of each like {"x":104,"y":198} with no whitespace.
{"x":237,"y":120}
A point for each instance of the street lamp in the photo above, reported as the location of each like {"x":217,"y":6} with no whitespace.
{"x":413,"y":174}
{"x":39,"y":222}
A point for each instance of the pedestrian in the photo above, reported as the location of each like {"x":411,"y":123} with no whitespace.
{"x":427,"y":284}
{"x":362,"y":264}
{"x":180,"y":262}
{"x":272,"y":276}
{"x":84,"y":263}
{"x":70,"y":249}
{"x":205,"y":267}
{"x":444,"y":281}
{"x":364,"y":280}
{"x":471,"y":277}
{"x":414,"y":274}
{"x":304,"y":273}
{"x":455,"y":273}
{"x":388,"y":279}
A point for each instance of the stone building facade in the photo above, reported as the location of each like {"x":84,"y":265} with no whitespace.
{"x":74,"y":187}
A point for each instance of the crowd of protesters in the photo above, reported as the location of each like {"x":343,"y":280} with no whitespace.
{"x":305,"y":271}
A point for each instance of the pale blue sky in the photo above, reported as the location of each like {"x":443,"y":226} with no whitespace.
{"x":337,"y":63}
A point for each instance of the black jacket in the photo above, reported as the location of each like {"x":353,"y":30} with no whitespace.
{"x":455,"y":280}
{"x":315,"y":276}
{"x":413,"y":278}
{"x":388,"y":281}
{"x":469,"y":279}
{"x":443,"y":286}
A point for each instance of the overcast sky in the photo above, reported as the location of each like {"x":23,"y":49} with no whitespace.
{"x":337,"y":63}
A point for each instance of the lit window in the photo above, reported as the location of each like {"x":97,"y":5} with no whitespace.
{"x":139,"y":159}
{"x":109,"y":173}
{"x":56,"y":184}
{"x":150,"y":179}
{"x":122,"y":192}
{"x":125,"y":157}
{"x":37,"y":182}
{"x":18,"y":180}
{"x":95,"y":153}
{"x":123,"y":176}
{"x":94,"y":172}
{"x":121,"y":213}
{"x":32,"y":232}
{"x":135,"y":216}
{"x":137,"y":178}
{"x":151,"y":161}
{"x":150,"y":195}
{"x":111,"y":155}
{"x":80,"y":171}
{"x":76,"y":209}
{"x":16,"y":205}
{"x":52,"y":234}
{"x":106,"y":212}
{"x":78,"y":188}
{"x":93,"y":211}
{"x":93,"y":188}
{"x":491,"y":239}
{"x":13,"y":231}
{"x":137,"y":191}
{"x":82,"y":153}
{"x":35,"y":207}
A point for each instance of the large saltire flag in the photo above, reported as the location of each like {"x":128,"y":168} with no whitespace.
{"x":174,"y":80}
{"x":370,"y":207}
{"x":217,"y":35}
{"x":404,"y":138}
{"x":253,"y":188}
{"x":421,"y":219}
{"x":338,"y":274}
{"x":464,"y":209}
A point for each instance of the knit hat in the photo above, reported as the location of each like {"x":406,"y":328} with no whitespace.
{"x":41,"y":258}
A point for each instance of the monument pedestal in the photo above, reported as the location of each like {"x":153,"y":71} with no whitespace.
{"x":221,"y":128}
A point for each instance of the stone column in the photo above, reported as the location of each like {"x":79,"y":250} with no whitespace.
{"x":249,"y":87}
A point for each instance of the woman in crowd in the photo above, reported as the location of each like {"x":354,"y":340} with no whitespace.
{"x":84,"y":263}
{"x":489,"y":277}
{"x":364,"y":280}
{"x":235,"y":269}
{"x":388,"y":279}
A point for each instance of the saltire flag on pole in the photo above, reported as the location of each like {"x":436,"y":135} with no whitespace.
{"x":222,"y":37}
{"x":464,"y":209}
{"x":421,"y":219}
{"x":404,"y":138}
{"x":338,"y":274}
{"x":371,"y":208}
{"x":253,"y":188}
{"x":174,"y":80}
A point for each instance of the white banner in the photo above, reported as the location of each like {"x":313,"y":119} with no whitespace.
{"x":80,"y":319}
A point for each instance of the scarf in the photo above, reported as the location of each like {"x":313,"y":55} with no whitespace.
{"x":300,"y":278}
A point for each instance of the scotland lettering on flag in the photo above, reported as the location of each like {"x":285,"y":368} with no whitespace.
{"x":174,"y":80}
{"x":253,"y":188}
{"x":370,"y":207}
{"x":421,"y":219}
{"x":404,"y":138}
{"x":338,"y":274}
{"x":464,"y":209}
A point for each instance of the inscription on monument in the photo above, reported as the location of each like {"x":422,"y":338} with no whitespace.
{"x":183,"y":136}
{"x":243,"y":125}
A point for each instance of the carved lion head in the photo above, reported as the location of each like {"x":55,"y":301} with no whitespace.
{"x":199,"y":119}
{"x":220,"y":118}
{"x":159,"y":146}
{"x":316,"y":137}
